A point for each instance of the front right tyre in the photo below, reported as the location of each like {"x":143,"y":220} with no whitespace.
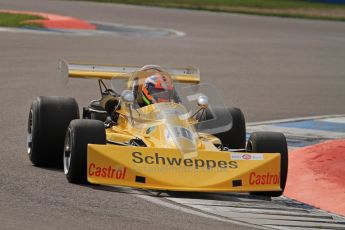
{"x":271,"y":142}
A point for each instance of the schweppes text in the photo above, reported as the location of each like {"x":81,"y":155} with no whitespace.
{"x":156,"y":159}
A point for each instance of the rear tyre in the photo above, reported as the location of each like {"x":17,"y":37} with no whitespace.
{"x":235,"y":138}
{"x":80,"y":133}
{"x":271,"y":142}
{"x":47,"y":124}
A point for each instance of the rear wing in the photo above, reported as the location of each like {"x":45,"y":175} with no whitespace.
{"x":187,"y":74}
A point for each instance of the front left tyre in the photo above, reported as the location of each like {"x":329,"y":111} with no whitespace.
{"x":48,"y":120}
{"x":80,"y":133}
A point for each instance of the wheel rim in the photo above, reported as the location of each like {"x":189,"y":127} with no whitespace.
{"x":29,"y":137}
{"x":67,"y":152}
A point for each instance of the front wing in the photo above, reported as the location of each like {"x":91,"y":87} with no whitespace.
{"x":165,"y":169}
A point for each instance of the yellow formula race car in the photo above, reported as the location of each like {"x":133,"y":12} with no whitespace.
{"x":154,"y":128}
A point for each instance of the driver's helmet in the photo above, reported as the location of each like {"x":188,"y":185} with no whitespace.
{"x":154,"y":86}
{"x":157,"y":88}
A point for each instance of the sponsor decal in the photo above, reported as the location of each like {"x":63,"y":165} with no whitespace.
{"x":247,"y":156}
{"x":263,"y":179}
{"x":107,"y":172}
{"x":156,"y":159}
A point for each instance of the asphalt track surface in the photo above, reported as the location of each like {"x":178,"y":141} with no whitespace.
{"x":270,"y":67}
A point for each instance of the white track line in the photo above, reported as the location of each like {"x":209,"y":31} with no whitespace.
{"x":177,"y":206}
{"x":295,"y":119}
{"x":298,"y":132}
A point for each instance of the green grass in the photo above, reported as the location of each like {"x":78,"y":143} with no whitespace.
{"x":18,"y":20}
{"x":285,"y":8}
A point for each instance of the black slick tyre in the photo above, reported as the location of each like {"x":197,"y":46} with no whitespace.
{"x":80,"y":133}
{"x":271,"y":142}
{"x":235,"y":138}
{"x":48,"y":120}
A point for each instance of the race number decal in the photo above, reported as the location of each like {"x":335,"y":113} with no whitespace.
{"x":180,"y":132}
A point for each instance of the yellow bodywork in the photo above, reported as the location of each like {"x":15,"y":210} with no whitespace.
{"x":165,"y":169}
{"x":162,"y":166}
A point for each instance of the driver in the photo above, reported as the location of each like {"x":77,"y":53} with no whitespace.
{"x":153,"y":85}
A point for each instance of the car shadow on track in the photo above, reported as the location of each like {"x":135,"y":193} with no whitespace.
{"x":217,"y":196}
{"x":54,"y":169}
{"x":118,"y":189}
{"x":239,"y":197}
{"x":234,"y":197}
